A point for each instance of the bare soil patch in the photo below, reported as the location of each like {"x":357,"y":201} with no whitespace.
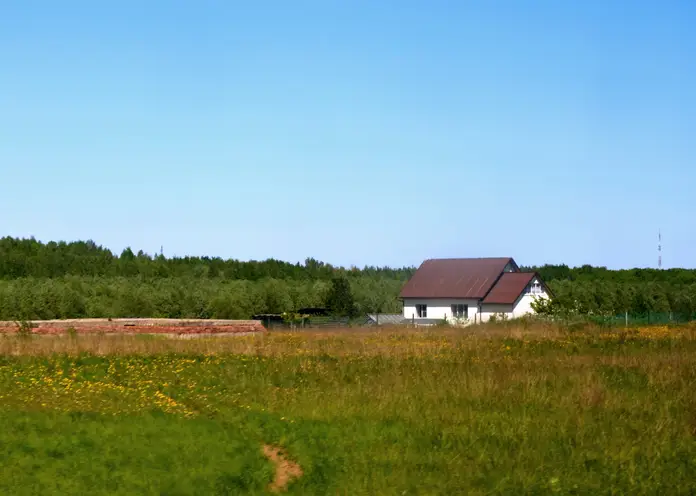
{"x":286,"y":470}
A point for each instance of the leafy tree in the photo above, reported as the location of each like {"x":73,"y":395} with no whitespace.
{"x":339,"y":299}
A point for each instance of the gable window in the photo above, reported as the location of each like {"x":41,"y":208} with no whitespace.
{"x":535,"y":288}
{"x":422,"y":311}
{"x":460,"y":311}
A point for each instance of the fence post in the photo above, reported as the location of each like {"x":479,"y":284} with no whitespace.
{"x":626,"y":318}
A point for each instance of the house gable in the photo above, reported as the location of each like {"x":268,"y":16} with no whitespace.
{"x":509,"y":288}
{"x":514,"y":295}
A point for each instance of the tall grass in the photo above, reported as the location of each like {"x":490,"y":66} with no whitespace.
{"x":500,"y":409}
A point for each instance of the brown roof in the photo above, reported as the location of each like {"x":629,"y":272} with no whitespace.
{"x":455,"y":278}
{"x":509,"y":287}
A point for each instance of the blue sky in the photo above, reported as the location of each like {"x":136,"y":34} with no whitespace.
{"x":355,"y":132}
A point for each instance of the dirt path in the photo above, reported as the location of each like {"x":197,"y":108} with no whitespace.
{"x":286,"y":470}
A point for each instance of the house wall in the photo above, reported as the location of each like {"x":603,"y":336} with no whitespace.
{"x":438,"y":308}
{"x":489,"y":309}
{"x":524,"y":304}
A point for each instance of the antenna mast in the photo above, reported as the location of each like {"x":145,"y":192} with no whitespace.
{"x":659,"y":249}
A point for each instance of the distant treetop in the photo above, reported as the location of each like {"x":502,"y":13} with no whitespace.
{"x":31,"y":258}
{"x":27,"y":257}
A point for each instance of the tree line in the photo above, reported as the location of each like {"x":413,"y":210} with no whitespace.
{"x":82,"y":279}
{"x":601,"y":291}
{"x":186,"y":297}
{"x":28,"y":257}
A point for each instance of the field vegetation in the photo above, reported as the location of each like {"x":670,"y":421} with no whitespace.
{"x":509,"y":408}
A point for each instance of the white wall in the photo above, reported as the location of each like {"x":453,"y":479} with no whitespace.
{"x":488,"y":309}
{"x":524,"y":304}
{"x":438,"y":308}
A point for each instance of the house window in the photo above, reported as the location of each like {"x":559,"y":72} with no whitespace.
{"x":460,"y":311}
{"x":422,"y":311}
{"x":535,"y":288}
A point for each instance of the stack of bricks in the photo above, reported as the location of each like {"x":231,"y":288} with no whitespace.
{"x":137,"y":326}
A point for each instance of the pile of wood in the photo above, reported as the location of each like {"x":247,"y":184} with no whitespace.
{"x":134,"y":326}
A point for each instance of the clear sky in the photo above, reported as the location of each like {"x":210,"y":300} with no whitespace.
{"x":356,"y":132}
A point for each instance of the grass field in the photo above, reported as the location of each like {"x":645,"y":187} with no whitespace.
{"x":513,"y":409}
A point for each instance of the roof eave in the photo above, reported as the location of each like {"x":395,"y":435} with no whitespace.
{"x":441,"y":297}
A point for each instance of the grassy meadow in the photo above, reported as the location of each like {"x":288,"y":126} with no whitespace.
{"x":513,"y":408}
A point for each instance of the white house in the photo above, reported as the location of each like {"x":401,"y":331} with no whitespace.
{"x":470,"y":289}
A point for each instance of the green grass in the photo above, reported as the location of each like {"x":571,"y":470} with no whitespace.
{"x":441,"y":412}
{"x":64,"y":453}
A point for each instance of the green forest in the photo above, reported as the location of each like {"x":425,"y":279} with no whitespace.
{"x":82,"y":279}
